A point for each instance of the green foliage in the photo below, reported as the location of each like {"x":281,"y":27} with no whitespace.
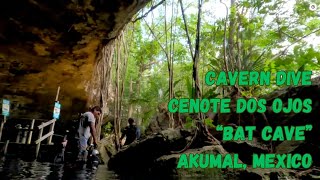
{"x":211,"y":93}
{"x":190,"y":89}
{"x":264,"y":36}
{"x":209,"y":123}
{"x":189,"y":123}
{"x":147,"y":114}
{"x":107,"y":128}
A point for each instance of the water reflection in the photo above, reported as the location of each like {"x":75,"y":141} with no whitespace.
{"x":18,"y":169}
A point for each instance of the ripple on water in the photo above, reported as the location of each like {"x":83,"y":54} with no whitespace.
{"x":18,"y":169}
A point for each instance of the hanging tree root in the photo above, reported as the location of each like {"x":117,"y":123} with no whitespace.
{"x":264,"y":117}
{"x":201,"y":137}
{"x":271,"y":149}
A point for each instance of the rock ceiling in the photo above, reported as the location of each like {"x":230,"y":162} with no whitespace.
{"x":49,"y":43}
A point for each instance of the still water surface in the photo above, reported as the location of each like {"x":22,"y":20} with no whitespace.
{"x":17,"y":169}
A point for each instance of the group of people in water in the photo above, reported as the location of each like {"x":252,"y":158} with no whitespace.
{"x":87,"y":129}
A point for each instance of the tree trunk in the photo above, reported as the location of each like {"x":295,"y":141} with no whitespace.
{"x":101,"y":81}
{"x":140,"y":79}
{"x":121,"y":66}
{"x":124,"y":52}
{"x":169,"y":56}
{"x":202,"y":135}
{"x":196,"y":58}
{"x":130,"y":96}
{"x":116,"y":100}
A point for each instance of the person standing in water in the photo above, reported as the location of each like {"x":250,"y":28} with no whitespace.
{"x":131,"y":132}
{"x":87,"y":129}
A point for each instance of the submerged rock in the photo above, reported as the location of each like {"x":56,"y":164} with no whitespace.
{"x":246,"y":148}
{"x":139,"y":156}
{"x":152,"y":157}
{"x":166,"y":166}
{"x":300,"y":147}
{"x":107,"y":149}
{"x":309,"y":174}
{"x":272,"y":174}
{"x":153,"y":153}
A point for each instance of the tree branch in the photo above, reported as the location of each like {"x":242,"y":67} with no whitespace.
{"x":155,"y":37}
{"x":151,"y":9}
{"x":186,"y":28}
{"x":301,"y":38}
{"x":225,"y":39}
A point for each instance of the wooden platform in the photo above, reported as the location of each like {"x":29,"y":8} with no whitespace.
{"x":27,"y":151}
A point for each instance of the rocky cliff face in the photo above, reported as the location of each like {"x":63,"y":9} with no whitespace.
{"x":50,"y":43}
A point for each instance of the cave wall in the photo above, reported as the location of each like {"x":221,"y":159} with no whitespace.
{"x":50,"y":43}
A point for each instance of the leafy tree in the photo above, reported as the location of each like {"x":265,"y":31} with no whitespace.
{"x":253,"y":36}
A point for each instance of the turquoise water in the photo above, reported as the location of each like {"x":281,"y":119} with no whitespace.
{"x":17,"y":169}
